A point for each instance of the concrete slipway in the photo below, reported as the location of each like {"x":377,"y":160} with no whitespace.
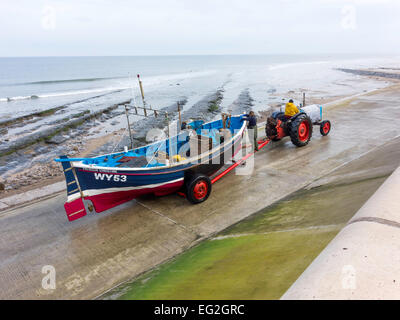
{"x":100,"y":251}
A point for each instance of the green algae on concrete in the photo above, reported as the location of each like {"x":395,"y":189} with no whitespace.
{"x":260,"y":257}
{"x":325,"y":205}
{"x":260,"y":266}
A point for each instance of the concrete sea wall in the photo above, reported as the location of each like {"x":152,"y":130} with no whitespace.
{"x":363,"y":260}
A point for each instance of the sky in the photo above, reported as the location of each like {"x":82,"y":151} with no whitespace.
{"x":168,"y":27}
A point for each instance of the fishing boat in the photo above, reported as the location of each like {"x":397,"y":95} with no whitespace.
{"x":182,"y":162}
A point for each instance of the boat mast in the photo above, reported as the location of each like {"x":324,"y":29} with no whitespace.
{"x":141,"y":91}
{"x":147,"y":112}
{"x":129,"y":126}
{"x":180,"y":117}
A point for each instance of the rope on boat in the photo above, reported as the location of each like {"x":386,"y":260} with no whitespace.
{"x":122,"y":136}
{"x":134,"y":103}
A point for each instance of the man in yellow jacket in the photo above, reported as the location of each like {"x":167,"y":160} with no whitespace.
{"x":290,"y":109}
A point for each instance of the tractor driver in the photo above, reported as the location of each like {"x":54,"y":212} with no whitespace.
{"x":290,"y":109}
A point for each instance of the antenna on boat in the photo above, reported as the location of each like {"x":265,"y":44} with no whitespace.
{"x":127,"y":112}
{"x":129,"y":125}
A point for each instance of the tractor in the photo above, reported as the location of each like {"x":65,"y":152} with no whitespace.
{"x":299,"y":127}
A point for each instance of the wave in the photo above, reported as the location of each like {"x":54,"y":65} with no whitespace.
{"x":121,"y":85}
{"x":60,"y":94}
{"x":289,"y":65}
{"x":67,"y":81}
{"x":168,"y":77}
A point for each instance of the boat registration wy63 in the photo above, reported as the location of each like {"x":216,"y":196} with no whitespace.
{"x":201,"y":309}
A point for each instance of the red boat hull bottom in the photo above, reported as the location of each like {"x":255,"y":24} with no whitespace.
{"x":105,"y":201}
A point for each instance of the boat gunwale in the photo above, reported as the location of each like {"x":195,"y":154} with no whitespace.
{"x":91,"y":168}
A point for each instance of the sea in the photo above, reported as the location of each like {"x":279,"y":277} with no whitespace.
{"x":32,"y":84}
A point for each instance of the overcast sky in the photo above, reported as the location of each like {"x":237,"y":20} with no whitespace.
{"x":161,"y":27}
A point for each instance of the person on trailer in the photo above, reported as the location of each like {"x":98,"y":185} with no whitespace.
{"x":252,"y":124}
{"x":291,"y":109}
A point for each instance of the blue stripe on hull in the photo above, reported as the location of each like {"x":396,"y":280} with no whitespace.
{"x":102,"y":180}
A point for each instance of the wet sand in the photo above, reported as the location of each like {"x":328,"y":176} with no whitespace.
{"x":103,"y":250}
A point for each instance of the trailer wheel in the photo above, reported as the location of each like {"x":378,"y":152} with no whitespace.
{"x":325,"y":127}
{"x":198,"y":188}
{"x":300,"y":130}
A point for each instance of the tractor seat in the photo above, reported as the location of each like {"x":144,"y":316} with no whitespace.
{"x":279,"y":115}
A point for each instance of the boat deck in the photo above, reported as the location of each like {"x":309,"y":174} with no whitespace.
{"x":176,"y":148}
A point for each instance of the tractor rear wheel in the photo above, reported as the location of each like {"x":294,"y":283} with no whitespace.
{"x":300,"y":130}
{"x":198,"y":188}
{"x":325,"y":127}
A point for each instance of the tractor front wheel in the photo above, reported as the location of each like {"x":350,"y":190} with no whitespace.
{"x":301,"y":130}
{"x":198,"y":188}
{"x":325,"y":127}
